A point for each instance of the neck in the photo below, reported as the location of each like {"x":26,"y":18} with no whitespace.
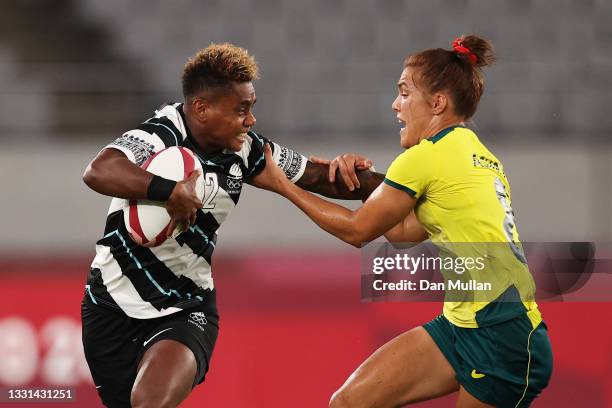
{"x":438,"y":125}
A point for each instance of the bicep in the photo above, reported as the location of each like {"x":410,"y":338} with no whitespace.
{"x":106,"y":156}
{"x":110,"y":163}
{"x":385,"y":208}
{"x":413,"y":230}
{"x":409,"y":230}
{"x":138,"y":145}
{"x":110,"y":153}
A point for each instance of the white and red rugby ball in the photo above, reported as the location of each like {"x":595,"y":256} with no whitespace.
{"x":147,"y":221}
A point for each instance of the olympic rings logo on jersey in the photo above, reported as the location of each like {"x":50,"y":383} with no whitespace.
{"x":234,"y":184}
{"x":198,"y":319}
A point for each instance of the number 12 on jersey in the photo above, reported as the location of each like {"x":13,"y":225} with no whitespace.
{"x":211,"y":188}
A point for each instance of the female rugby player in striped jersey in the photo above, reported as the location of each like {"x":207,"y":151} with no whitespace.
{"x":448,"y":187}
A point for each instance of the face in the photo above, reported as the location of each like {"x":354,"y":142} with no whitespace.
{"x":413,"y":110}
{"x":228,"y":117}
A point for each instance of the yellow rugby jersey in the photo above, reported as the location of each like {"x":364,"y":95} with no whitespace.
{"x":463,"y":196}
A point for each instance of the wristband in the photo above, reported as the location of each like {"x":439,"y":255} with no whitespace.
{"x":160,"y":189}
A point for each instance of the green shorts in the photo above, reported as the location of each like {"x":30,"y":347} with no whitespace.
{"x":505,"y":365}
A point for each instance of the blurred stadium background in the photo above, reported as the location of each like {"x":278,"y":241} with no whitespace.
{"x":76,"y":74}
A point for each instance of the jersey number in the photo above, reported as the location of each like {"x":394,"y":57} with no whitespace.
{"x":211,"y":188}
{"x":509,"y":226}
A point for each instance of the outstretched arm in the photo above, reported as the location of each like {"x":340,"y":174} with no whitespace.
{"x":385,"y":208}
{"x":317,"y":180}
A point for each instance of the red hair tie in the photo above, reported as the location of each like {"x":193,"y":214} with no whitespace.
{"x":463,"y":50}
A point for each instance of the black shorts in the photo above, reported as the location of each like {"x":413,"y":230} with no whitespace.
{"x":115,"y":343}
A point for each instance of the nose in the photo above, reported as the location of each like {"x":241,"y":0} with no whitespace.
{"x":250,"y":120}
{"x":395,"y":104}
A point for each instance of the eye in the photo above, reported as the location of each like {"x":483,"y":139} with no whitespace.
{"x":245,"y":109}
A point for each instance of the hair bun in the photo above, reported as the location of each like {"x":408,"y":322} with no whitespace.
{"x":473,"y":49}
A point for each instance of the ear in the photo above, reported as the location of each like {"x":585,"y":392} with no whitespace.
{"x":439,"y":103}
{"x":201,"y":108}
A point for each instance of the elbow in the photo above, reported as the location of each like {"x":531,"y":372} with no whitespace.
{"x":91,"y":177}
{"x":403,"y":245}
{"x":358,"y":239}
{"x":88,"y":176}
{"x":356,"y":244}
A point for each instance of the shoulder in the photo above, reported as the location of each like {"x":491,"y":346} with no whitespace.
{"x":413,"y":170}
{"x":169,"y":121}
{"x":170,"y":111}
{"x":164,"y":129}
{"x":421,"y":152}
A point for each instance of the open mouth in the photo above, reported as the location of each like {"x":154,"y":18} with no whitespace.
{"x":402,"y":124}
{"x":241,"y":137}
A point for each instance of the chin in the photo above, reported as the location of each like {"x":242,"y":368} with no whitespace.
{"x":235,"y":144}
{"x":234,"y":148}
{"x":405,"y":141}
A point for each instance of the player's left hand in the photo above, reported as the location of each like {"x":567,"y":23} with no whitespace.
{"x":272,"y":177}
{"x":348,"y":164}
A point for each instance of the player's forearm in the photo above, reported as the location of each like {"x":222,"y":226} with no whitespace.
{"x":333,"y":218}
{"x":112,"y":174}
{"x":315,"y":179}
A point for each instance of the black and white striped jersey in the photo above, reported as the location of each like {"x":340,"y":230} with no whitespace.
{"x":152,"y":282}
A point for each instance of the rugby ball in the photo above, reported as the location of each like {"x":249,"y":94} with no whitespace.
{"x":147,"y":221}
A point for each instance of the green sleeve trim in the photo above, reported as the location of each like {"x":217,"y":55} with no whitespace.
{"x":393,"y":184}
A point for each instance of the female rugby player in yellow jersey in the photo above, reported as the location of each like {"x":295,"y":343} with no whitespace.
{"x":448,"y":187}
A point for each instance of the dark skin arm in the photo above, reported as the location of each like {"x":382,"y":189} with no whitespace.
{"x":112,"y":173}
{"x":315,"y":179}
{"x":383,"y":210}
{"x":348,"y":177}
